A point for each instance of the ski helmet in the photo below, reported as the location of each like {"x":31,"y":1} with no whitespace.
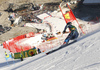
{"x":69,"y":23}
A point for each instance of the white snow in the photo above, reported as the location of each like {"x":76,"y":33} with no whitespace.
{"x":32,"y":41}
{"x":45,"y":26}
{"x":43,"y":16}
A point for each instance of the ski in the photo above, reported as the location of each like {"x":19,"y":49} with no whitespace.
{"x":62,"y":46}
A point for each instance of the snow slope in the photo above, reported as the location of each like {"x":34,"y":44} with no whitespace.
{"x":82,"y":55}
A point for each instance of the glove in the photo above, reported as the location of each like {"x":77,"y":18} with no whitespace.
{"x":64,"y":32}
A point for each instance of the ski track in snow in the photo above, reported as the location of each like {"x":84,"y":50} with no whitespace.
{"x":90,"y":47}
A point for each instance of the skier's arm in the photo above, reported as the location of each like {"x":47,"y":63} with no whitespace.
{"x":65,"y":29}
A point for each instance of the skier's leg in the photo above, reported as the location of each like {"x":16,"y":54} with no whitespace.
{"x":68,"y":38}
{"x":66,"y":41}
{"x":75,"y":35}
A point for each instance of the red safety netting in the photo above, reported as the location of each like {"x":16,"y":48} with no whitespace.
{"x":12,"y":47}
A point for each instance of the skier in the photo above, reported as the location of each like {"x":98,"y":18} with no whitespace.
{"x":73,"y":34}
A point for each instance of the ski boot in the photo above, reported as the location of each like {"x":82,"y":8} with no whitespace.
{"x":66,"y":41}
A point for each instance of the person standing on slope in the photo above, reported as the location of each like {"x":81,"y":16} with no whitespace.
{"x":21,"y":56}
{"x":73,"y":34}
